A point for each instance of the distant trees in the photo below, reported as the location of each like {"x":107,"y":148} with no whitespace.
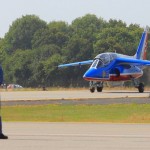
{"x":21,"y":33}
{"x":32,"y":49}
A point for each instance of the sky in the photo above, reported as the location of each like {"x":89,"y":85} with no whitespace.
{"x":129,"y":11}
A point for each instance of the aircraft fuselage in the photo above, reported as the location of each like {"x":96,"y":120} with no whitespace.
{"x":102,"y":69}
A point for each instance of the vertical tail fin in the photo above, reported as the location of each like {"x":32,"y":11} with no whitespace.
{"x":142,"y":47}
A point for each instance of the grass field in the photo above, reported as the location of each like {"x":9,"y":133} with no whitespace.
{"x":116,"y":113}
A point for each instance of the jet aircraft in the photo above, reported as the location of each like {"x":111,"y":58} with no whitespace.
{"x":116,"y":67}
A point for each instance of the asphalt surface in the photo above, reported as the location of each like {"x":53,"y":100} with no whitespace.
{"x":73,"y":97}
{"x":75,"y":136}
{"x":103,"y":101}
{"x":65,"y":95}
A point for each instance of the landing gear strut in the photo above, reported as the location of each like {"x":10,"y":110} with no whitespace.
{"x":96,"y":85}
{"x":139,"y":86}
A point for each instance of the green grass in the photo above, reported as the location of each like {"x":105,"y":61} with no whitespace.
{"x":117,"y":113}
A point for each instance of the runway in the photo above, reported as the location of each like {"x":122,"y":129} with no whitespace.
{"x":73,"y":97}
{"x":76,"y":136}
{"x":72,"y":94}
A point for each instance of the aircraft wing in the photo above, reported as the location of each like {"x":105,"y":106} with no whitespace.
{"x":137,"y":62}
{"x":87,"y":62}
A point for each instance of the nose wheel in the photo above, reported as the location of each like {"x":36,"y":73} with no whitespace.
{"x":96,"y":85}
{"x":92,"y":89}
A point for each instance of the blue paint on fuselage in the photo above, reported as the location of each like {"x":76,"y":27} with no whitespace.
{"x":99,"y":72}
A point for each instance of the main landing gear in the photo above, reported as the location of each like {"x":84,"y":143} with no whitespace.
{"x":139,"y":86}
{"x":96,"y":85}
{"x":99,"y":86}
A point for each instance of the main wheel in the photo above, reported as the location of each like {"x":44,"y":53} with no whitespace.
{"x":141,"y":88}
{"x":99,"y":89}
{"x":92,"y":89}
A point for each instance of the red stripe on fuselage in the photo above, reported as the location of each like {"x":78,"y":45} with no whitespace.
{"x":113,"y":77}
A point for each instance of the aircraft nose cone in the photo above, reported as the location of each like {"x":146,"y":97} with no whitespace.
{"x":89,"y":74}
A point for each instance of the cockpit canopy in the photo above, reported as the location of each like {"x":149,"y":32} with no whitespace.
{"x":103,"y":59}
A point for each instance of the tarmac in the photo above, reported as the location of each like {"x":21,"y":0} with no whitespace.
{"x":75,"y":136}
{"x":10,"y":98}
{"x":69,"y":95}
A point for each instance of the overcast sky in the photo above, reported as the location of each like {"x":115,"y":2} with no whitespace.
{"x":129,"y":11}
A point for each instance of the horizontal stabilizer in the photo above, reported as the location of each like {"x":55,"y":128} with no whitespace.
{"x":87,"y":62}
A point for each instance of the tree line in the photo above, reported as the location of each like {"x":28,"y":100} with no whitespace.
{"x":32,"y":48}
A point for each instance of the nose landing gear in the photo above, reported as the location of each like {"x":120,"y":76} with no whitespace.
{"x":96,"y":85}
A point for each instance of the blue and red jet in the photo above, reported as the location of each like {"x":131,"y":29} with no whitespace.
{"x":116,"y":67}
